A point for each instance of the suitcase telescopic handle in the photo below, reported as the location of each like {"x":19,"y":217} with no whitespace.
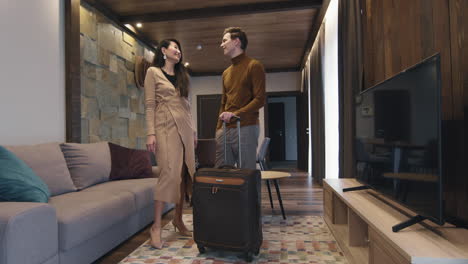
{"x":237,"y":118}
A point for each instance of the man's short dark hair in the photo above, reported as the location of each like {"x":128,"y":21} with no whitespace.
{"x":236,"y":32}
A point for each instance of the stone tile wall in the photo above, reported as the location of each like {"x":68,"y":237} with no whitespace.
{"x":112,"y":107}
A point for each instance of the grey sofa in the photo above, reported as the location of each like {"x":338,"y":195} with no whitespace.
{"x":78,"y":224}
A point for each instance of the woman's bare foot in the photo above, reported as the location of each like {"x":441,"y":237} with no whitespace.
{"x":156,"y":240}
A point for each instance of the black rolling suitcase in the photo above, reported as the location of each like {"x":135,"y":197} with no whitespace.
{"x":226,"y":208}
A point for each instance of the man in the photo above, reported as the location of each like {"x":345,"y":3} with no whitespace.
{"x":243,"y":96}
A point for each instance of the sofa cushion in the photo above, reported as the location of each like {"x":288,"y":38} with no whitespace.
{"x":83,"y":215}
{"x":129,"y":163}
{"x":47,"y":161}
{"x":142,"y":189}
{"x":89,"y":164}
{"x":18,"y":182}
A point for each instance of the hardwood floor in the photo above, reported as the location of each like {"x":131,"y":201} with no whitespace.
{"x":299,"y":194}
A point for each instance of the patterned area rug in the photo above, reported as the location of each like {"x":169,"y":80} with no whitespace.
{"x":299,"y":239}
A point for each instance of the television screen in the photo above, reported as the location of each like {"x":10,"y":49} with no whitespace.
{"x":398,"y":138}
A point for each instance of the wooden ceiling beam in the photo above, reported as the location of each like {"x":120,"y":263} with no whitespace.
{"x":232,"y":10}
{"x":272,"y":70}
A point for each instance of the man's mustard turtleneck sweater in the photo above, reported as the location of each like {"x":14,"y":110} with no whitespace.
{"x":243,"y":90}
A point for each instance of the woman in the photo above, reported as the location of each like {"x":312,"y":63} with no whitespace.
{"x":170,"y":133}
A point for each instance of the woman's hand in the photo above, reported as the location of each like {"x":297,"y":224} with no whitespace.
{"x":151,"y":143}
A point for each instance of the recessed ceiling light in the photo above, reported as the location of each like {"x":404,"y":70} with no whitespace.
{"x":130,"y":27}
{"x":139,"y":25}
{"x":186,"y":64}
{"x":199,"y":47}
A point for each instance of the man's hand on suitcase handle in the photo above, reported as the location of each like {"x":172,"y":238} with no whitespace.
{"x":227,"y":116}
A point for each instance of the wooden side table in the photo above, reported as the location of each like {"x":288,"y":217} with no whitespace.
{"x":274,"y":176}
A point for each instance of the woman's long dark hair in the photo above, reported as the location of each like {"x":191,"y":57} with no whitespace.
{"x":182,"y":78}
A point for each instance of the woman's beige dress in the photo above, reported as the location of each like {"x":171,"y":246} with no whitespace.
{"x":168,"y":117}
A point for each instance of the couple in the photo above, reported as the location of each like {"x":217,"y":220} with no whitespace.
{"x":170,"y":133}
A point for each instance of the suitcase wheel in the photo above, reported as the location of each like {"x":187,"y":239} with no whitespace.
{"x":248,"y":256}
{"x":201,"y":249}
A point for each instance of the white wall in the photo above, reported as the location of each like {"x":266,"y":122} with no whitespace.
{"x":275,"y":82}
{"x":32,"y":68}
{"x":330,"y":86}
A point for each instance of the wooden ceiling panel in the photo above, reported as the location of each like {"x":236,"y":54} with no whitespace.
{"x":136,"y":7}
{"x":279,"y":31}
{"x":277,"y":39}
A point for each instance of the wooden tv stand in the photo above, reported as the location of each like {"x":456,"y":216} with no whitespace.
{"x":362,"y":225}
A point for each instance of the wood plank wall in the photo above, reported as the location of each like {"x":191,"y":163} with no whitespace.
{"x":72,"y":71}
{"x":400,"y":33}
{"x":459,"y":50}
{"x":457,"y":204}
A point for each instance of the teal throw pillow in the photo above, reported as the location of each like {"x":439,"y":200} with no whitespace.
{"x":18,"y":182}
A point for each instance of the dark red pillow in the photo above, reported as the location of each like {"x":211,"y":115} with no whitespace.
{"x":129,"y":163}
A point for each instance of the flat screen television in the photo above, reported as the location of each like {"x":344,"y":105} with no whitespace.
{"x":398,"y":141}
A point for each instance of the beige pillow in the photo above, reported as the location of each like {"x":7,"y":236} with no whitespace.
{"x":47,"y":161}
{"x":89,"y":164}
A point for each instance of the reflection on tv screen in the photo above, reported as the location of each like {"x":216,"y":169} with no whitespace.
{"x":397,"y":144}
